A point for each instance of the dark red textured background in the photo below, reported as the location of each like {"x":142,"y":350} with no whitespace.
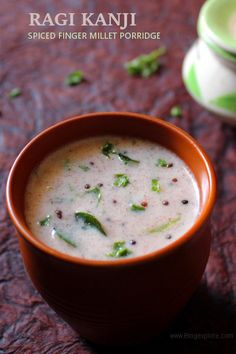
{"x":27,"y":324}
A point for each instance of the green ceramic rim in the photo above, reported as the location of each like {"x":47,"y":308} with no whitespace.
{"x":214,"y":17}
{"x":218,"y":50}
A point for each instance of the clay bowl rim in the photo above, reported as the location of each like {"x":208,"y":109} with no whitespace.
{"x":203,"y":216}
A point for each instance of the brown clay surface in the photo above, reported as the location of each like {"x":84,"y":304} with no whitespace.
{"x":27,"y":324}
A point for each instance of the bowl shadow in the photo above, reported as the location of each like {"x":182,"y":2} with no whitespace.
{"x":206,"y":325}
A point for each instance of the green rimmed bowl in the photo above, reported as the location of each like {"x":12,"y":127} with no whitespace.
{"x":210,"y":81}
{"x":218,"y":23}
{"x":209,"y":68}
{"x":225,"y":55}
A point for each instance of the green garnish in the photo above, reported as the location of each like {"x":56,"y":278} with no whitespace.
{"x":121,"y":180}
{"x":109,"y":149}
{"x":84,"y":168}
{"x":97,"y":192}
{"x":89,"y":220}
{"x":135,"y":207}
{"x":176,"y":111}
{"x":45,"y":221}
{"x":166,"y":226}
{"x":74,"y":78}
{"x":162,"y":163}
{"x":145,"y":65}
{"x":119,"y":250}
{"x":64,"y":238}
{"x":126,"y":159}
{"x":16,"y":92}
{"x":156,"y":186}
{"x":67,"y":165}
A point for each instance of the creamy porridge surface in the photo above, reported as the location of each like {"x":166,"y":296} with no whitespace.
{"x":111,"y":197}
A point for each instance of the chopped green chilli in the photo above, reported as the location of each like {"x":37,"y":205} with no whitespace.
{"x":63,"y":237}
{"x":74,"y":78}
{"x":136,"y":207}
{"x":45,"y":221}
{"x":119,"y":250}
{"x":90,"y":220}
{"x":156,"y":186}
{"x":121,"y":180}
{"x":166,"y":226}
{"x":145,"y":65}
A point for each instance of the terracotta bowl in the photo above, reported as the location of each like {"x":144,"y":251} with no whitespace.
{"x":127,"y":300}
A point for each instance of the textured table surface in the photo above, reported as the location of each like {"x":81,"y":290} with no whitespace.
{"x":27,"y":324}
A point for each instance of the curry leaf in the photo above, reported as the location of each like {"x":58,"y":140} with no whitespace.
{"x":126,"y":159}
{"x":90,"y":220}
{"x":63,"y":237}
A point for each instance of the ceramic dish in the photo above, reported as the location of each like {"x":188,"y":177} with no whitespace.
{"x":129,"y":300}
{"x":209,"y":67}
{"x":211,"y":80}
{"x":218,"y":18}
